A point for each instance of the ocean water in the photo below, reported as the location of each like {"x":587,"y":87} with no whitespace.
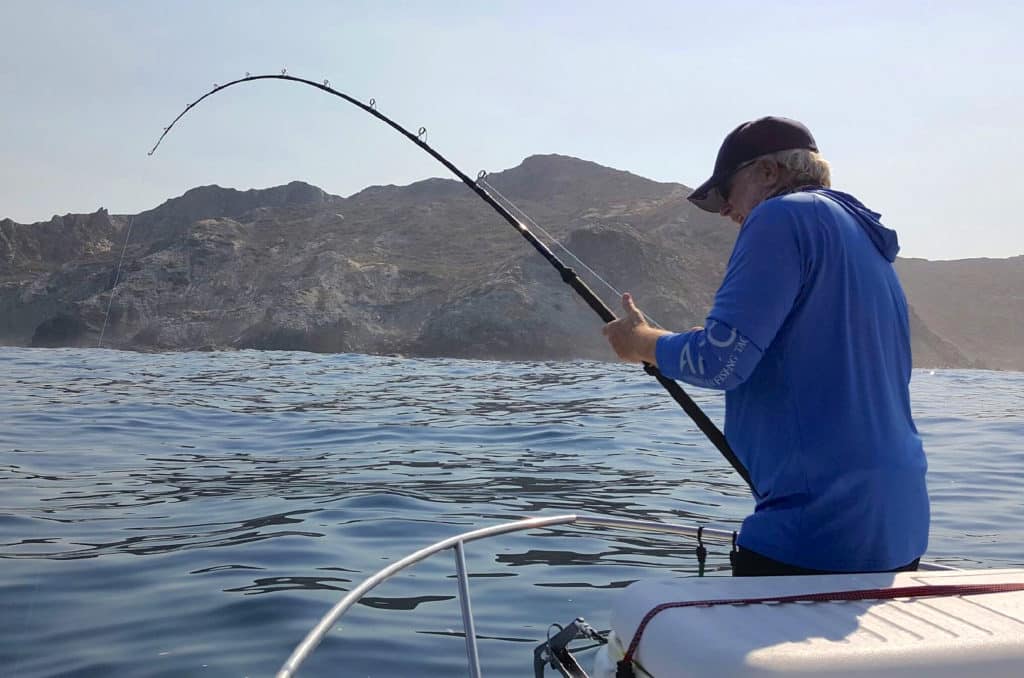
{"x":194,"y":514}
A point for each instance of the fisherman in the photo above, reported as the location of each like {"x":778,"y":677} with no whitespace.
{"x":809,"y":337}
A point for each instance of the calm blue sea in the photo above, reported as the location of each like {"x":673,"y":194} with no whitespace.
{"x":194,"y":514}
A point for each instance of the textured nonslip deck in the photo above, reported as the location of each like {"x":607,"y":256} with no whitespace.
{"x":977,"y":636}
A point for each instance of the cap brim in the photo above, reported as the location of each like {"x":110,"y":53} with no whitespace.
{"x":707,"y":197}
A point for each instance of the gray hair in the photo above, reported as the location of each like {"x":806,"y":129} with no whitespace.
{"x":806,"y":167}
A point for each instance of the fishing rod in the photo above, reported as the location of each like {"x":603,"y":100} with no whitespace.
{"x":569,"y":276}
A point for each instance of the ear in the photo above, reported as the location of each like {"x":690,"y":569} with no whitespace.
{"x":768,"y":171}
{"x":770,"y":174}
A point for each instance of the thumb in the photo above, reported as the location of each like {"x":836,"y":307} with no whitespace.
{"x":630,"y":308}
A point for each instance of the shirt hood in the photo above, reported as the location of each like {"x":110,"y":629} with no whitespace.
{"x":885,"y":239}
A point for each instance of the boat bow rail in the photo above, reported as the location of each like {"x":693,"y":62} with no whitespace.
{"x":457,"y":542}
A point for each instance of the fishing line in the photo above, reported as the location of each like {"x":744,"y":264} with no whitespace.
{"x":568,"y":275}
{"x":117,"y":278}
{"x":482,"y":179}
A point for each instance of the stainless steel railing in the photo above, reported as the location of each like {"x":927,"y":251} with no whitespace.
{"x":457,"y":542}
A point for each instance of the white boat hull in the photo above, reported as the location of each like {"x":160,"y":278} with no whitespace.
{"x":976,"y":635}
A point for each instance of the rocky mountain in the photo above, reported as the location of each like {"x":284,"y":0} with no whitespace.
{"x":424,"y":269}
{"x":977,"y":305}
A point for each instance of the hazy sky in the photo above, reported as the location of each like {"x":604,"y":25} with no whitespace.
{"x":918,"y":105}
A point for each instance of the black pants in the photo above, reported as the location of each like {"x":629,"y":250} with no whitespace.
{"x":747,"y":563}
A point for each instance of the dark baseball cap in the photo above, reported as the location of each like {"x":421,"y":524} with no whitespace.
{"x":745,"y":143}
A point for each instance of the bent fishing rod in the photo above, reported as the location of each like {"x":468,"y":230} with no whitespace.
{"x":569,"y":276}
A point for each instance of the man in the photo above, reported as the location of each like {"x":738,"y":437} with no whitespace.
{"x":809,"y":337}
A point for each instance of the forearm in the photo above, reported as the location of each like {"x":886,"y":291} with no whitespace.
{"x":717,"y":357}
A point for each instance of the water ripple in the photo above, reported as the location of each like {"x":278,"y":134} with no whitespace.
{"x":167,"y":514}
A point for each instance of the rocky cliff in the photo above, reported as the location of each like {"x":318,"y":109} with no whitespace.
{"x":425,"y":269}
{"x":977,"y":305}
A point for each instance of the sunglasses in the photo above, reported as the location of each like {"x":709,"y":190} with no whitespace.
{"x":725,"y":188}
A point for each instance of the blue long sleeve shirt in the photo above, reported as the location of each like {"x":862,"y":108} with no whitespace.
{"x":809,"y":337}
